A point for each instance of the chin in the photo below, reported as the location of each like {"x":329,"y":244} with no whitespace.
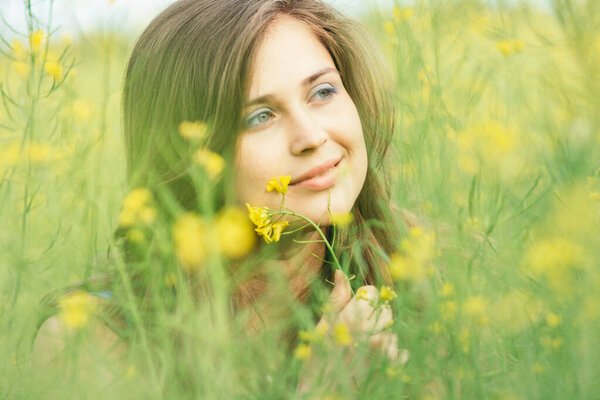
{"x":316,"y":208}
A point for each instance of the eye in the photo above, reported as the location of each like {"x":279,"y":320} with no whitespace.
{"x":324,"y":91}
{"x":258,"y":118}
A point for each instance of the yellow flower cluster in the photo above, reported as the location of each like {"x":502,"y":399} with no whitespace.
{"x":137,"y":208}
{"x":475,"y":307}
{"x":510,"y":46}
{"x":192,"y":130}
{"x":195,"y":237}
{"x":418,"y":249}
{"x":54,"y":69}
{"x":271,"y":232}
{"x":190,"y":243}
{"x":555,"y":259}
{"x":279,"y":185}
{"x":75,"y":309}
{"x":212,"y":162}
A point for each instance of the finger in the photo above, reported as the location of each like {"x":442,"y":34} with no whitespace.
{"x":385,"y":343}
{"x":338,"y":299}
{"x":359,"y":311}
{"x":381,"y":319}
{"x":341,"y":293}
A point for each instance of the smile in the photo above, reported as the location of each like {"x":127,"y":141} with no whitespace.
{"x":321,"y":177}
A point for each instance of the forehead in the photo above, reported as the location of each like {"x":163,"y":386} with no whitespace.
{"x":289,"y":52}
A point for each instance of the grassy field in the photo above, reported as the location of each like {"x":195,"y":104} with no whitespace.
{"x":497,"y":154}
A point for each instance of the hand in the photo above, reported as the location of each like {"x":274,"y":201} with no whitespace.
{"x":364,"y":322}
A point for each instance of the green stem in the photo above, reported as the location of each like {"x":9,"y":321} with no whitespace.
{"x":335,"y":260}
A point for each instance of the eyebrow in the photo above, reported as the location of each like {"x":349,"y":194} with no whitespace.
{"x":307,"y":81}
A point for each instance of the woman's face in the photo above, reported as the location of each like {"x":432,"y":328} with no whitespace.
{"x":300,"y":121}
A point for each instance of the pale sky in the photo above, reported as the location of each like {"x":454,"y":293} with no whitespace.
{"x":131,"y":16}
{"x":122,"y":15}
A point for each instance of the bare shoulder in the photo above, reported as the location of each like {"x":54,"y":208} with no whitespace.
{"x":54,"y":339}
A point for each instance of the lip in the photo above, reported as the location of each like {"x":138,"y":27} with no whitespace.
{"x":312,"y":179}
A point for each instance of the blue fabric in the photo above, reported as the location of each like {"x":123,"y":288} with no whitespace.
{"x":107,"y":294}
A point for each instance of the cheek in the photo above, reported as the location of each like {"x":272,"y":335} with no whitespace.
{"x":253,"y":162}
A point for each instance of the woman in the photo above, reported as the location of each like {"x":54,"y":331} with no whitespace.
{"x":286,"y":88}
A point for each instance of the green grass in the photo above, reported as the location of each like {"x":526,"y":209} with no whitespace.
{"x":497,"y":153}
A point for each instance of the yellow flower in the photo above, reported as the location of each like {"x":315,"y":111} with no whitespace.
{"x":265,"y":231}
{"x":402,"y":14}
{"x":213,"y":163}
{"x":510,"y":46}
{"x":278,"y":227}
{"x":476,"y":307}
{"x":137,"y":199}
{"x":341,"y":334}
{"x":190,"y":246}
{"x":342,"y":219}
{"x":54,"y":69}
{"x":76,"y":308}
{"x":389,"y":28}
{"x":362,"y":294}
{"x":315,"y":335}
{"x":21,"y":67}
{"x":235,"y":235}
{"x":553,"y":319}
{"x":386,"y":293}
{"x":81,"y":110}
{"x":303,"y":352}
{"x":280,"y":185}
{"x":135,"y":235}
{"x":447,"y":290}
{"x":36,"y":40}
{"x":192,"y":130}
{"x":18,"y":49}
{"x":137,"y":209}
{"x":258,"y":216}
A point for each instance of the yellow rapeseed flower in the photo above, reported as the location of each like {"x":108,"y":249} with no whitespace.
{"x":553,"y":319}
{"x":278,"y":227}
{"x":36,"y":40}
{"x":81,"y":110}
{"x":510,"y":46}
{"x":235,"y":235}
{"x":362,"y":294}
{"x":418,"y":251}
{"x":212,"y":162}
{"x":341,"y":334}
{"x":303,"y":352}
{"x":18,"y":49}
{"x":342,"y":219}
{"x":476,"y":307}
{"x":135,"y":235}
{"x":447,"y":289}
{"x":22,"y":68}
{"x":402,"y":14}
{"x":54,"y":69}
{"x":386,"y":293}
{"x":192,"y":130}
{"x":258,"y":216}
{"x":279,"y":185}
{"x":137,"y":208}
{"x":190,"y":245}
{"x":388,"y":26}
{"x":75,"y":309}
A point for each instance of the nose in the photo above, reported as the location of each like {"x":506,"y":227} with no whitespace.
{"x":305,"y":132}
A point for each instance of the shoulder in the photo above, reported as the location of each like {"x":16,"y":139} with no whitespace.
{"x":57,"y":335}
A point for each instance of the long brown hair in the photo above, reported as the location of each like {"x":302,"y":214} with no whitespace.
{"x":192,"y":63}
